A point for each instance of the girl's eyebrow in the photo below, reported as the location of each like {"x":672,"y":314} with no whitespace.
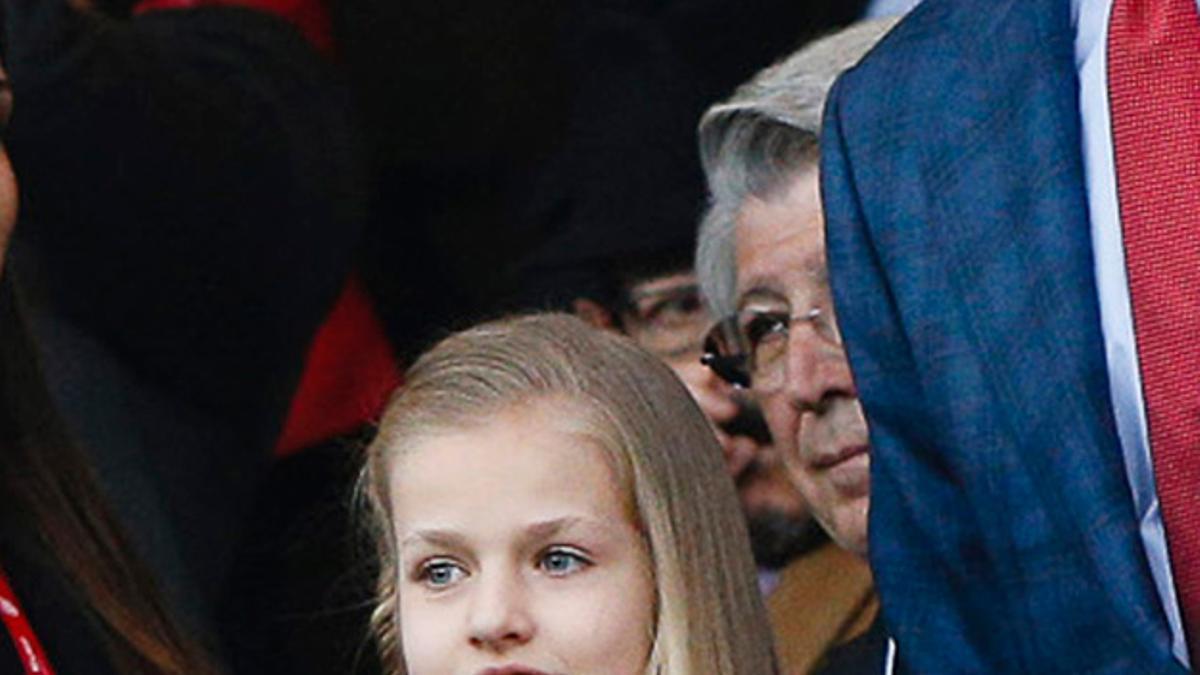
{"x":550,"y":528}
{"x":435,"y":537}
{"x":544,"y":529}
{"x":590,"y":529}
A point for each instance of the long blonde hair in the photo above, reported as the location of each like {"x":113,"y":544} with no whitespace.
{"x":709,"y":614}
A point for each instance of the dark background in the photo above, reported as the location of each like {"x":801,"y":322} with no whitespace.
{"x":470,"y":103}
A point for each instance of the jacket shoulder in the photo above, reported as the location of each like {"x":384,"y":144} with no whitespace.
{"x":946,"y":50}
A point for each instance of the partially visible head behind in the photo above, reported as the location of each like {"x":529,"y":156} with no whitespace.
{"x":760,"y":260}
{"x":49,"y":489}
{"x":8,"y":182}
{"x":607,"y":417}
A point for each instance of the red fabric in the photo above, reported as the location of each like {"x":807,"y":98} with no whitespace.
{"x":1154,"y":93}
{"x":349,"y":374}
{"x":311,"y":17}
{"x":29,"y":650}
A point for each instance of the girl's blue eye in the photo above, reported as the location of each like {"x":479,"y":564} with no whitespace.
{"x":439,"y":574}
{"x":561,"y":562}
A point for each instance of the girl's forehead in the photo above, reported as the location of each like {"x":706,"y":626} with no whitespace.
{"x":540,"y":461}
{"x":501,"y":455}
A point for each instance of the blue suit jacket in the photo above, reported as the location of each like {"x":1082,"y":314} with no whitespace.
{"x":1002,"y":528}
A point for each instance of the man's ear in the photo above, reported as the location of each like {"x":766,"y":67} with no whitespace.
{"x":593,"y":314}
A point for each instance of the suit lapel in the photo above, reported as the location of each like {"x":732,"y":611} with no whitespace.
{"x":1024,"y":280}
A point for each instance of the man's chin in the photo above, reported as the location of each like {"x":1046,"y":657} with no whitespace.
{"x":848,"y":526}
{"x":855,"y":545}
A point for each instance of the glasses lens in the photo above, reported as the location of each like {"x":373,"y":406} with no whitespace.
{"x":725,"y":353}
{"x":766,"y":337}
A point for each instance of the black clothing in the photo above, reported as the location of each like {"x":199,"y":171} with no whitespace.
{"x":190,"y":200}
{"x":864,"y":655}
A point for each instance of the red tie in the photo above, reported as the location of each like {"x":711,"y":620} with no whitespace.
{"x":1154,"y":95}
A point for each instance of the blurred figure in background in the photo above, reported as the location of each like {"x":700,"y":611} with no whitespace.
{"x":191,"y":195}
{"x":761,"y":254}
{"x":74,"y":594}
{"x":662,"y":311}
{"x":664,"y":314}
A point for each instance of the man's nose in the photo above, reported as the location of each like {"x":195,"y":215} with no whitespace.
{"x":499,"y":614}
{"x":817,"y":370}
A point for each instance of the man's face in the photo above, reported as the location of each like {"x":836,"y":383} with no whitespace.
{"x":808,"y":393}
{"x":667,"y":317}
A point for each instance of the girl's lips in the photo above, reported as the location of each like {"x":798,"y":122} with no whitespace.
{"x":512,"y":670}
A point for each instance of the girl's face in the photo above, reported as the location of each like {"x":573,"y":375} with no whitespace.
{"x":518,"y":554}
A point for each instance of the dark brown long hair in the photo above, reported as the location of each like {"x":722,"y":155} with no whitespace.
{"x":52,"y":491}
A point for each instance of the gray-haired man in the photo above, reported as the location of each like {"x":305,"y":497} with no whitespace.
{"x":761,"y":263}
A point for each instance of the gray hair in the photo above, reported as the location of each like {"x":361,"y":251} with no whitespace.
{"x":765,"y":134}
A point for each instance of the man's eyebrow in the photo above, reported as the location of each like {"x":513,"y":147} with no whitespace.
{"x":760,"y":292}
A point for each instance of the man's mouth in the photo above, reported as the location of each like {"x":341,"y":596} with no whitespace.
{"x":848,"y":470}
{"x":842,"y":454}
